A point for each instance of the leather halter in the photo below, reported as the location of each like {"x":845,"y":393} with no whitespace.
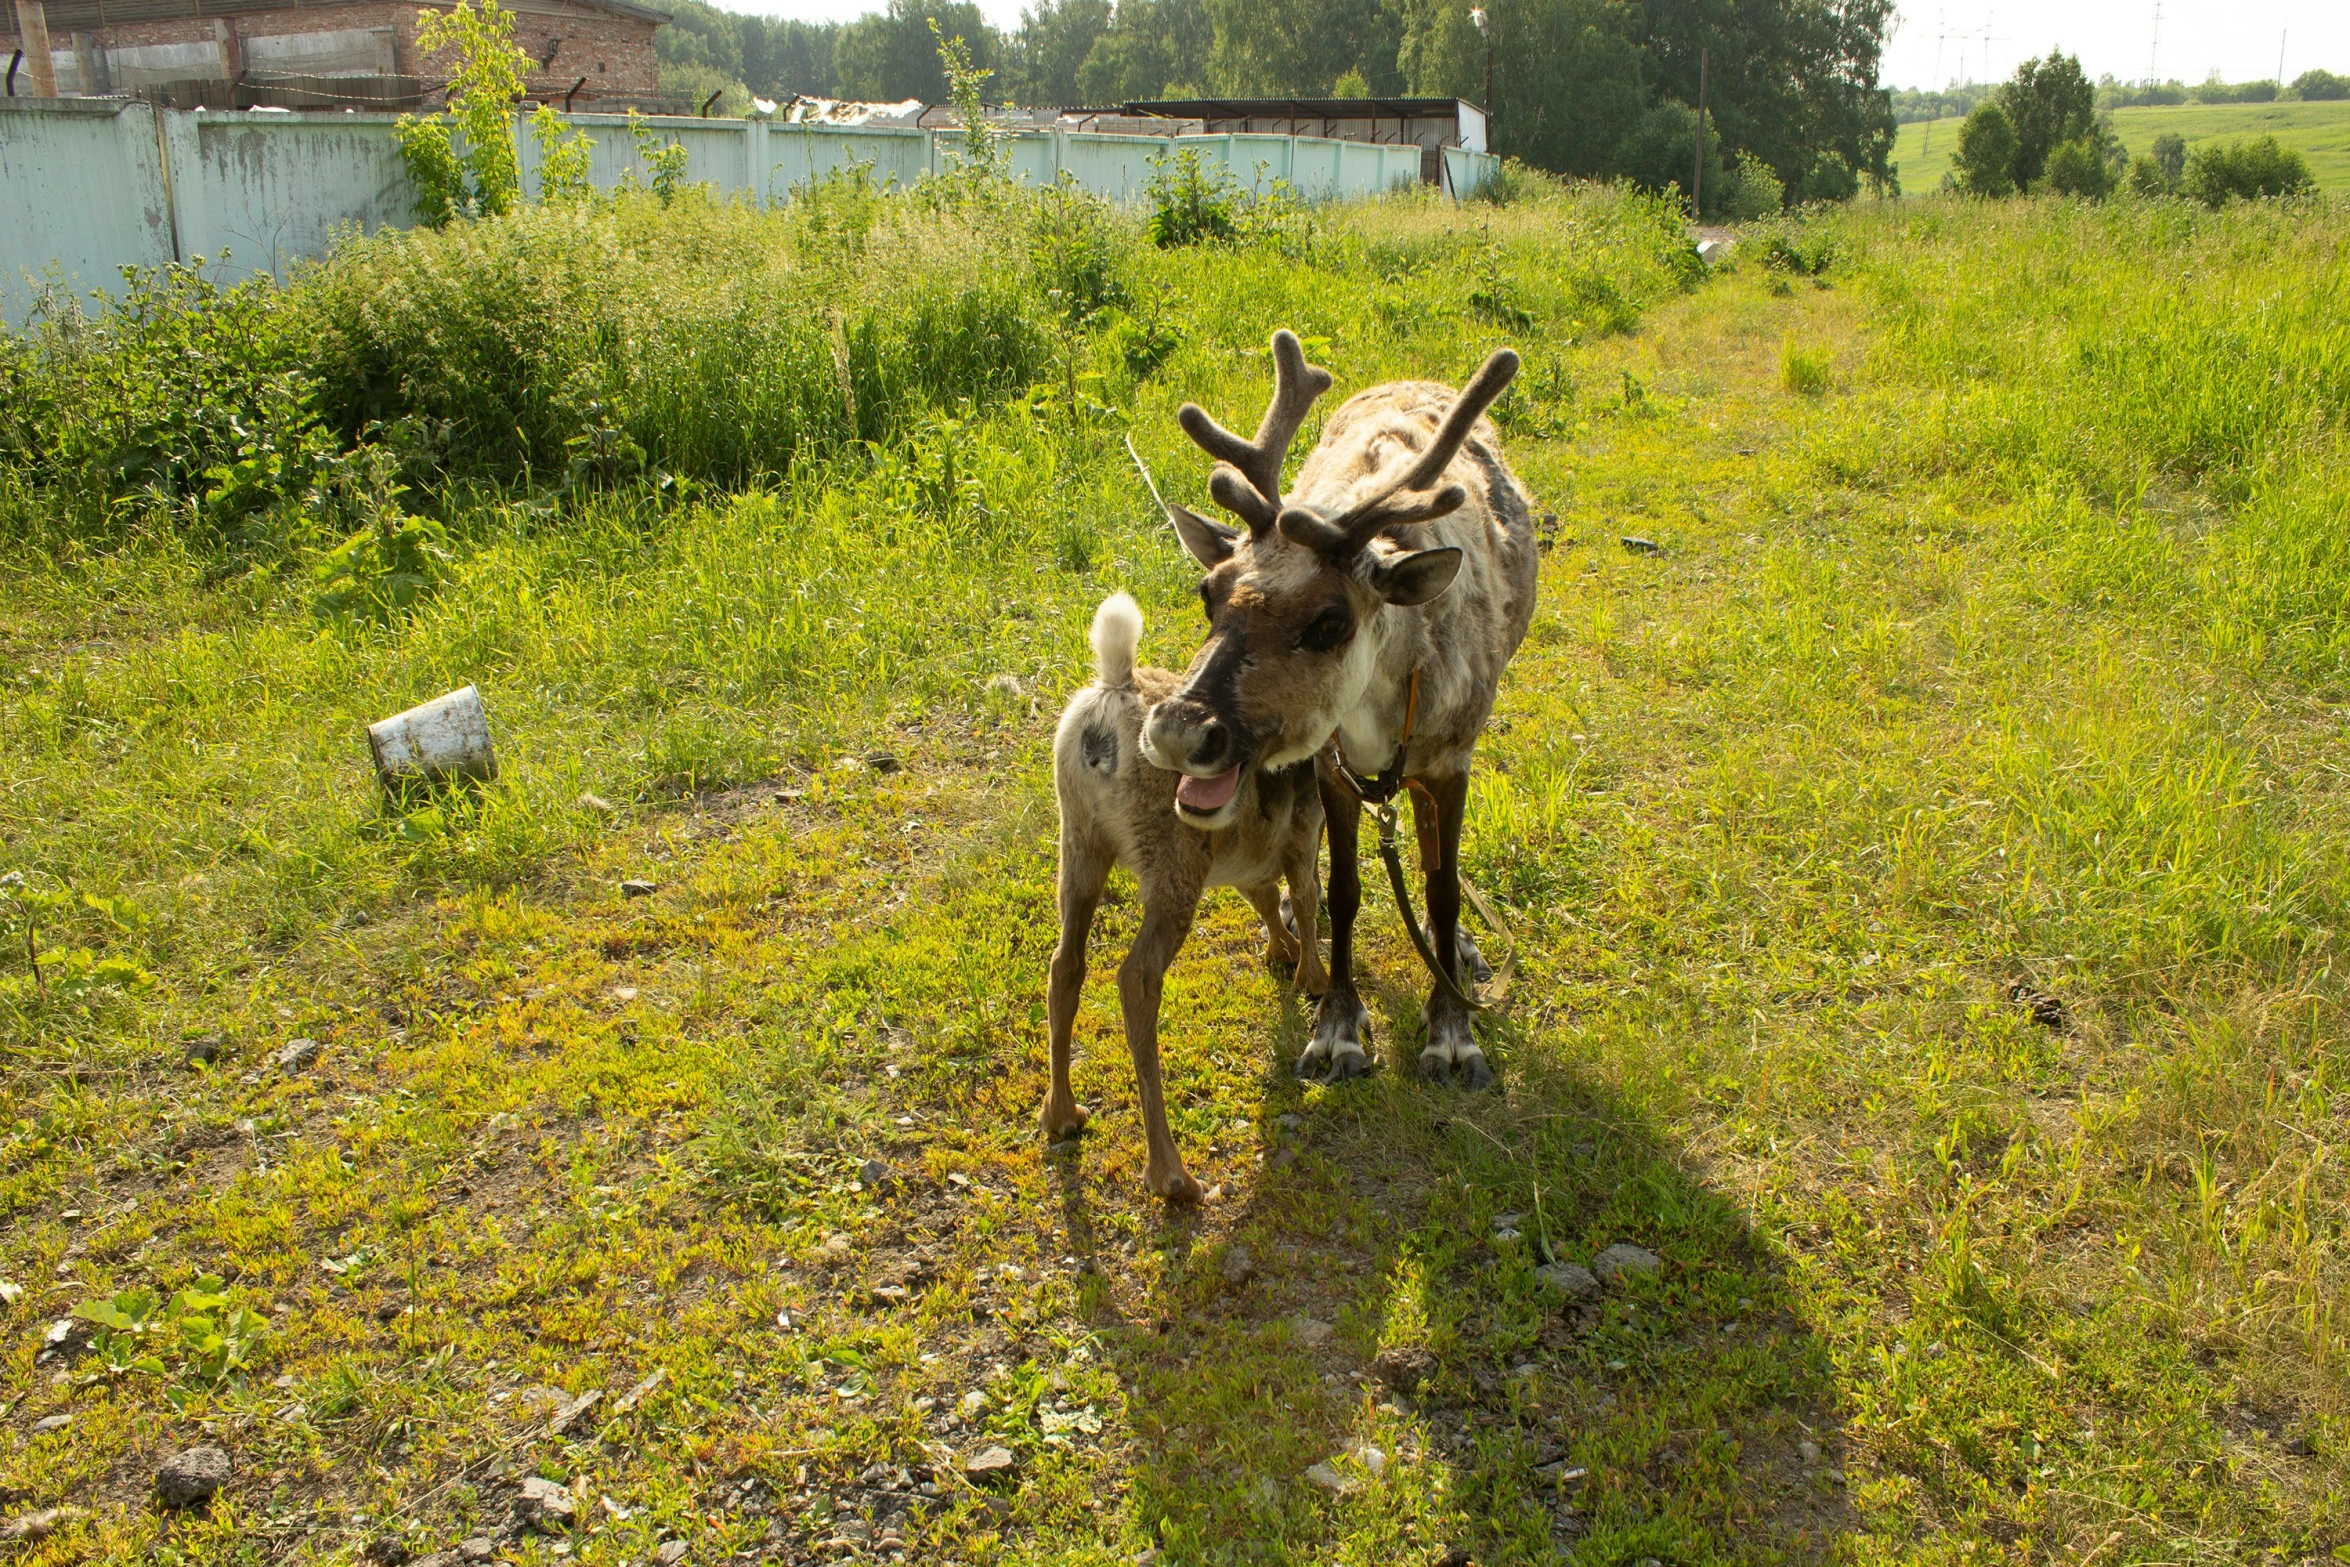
{"x":1378,"y":792}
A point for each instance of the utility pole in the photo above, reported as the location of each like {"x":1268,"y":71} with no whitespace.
{"x":1485,"y":31}
{"x":2154,"y":46}
{"x":1942,"y":31}
{"x":1697,"y":180}
{"x":2281,"y":64}
{"x":32,"y":30}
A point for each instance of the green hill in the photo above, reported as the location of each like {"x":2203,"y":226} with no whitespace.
{"x":2321,"y":130}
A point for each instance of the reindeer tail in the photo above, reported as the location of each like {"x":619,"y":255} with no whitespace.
{"x":1117,"y":629}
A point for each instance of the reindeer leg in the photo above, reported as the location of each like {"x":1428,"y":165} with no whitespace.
{"x":1280,"y":945}
{"x":1304,"y":903}
{"x":1452,"y":1039}
{"x":1084,"y":870}
{"x":1336,"y":1051}
{"x":1169,"y":904}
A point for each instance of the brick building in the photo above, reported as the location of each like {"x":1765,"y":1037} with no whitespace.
{"x":122,"y":46}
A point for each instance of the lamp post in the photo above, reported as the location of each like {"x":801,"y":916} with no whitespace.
{"x":1485,"y":31}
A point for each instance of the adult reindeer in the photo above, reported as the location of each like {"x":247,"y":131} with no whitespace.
{"x":1377,"y":603}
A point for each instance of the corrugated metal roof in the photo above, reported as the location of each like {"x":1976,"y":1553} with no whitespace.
{"x":1300,"y":108}
{"x":89,"y":16}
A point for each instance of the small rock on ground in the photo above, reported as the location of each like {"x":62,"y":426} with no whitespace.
{"x":874,"y":1176}
{"x":192,"y":1476}
{"x":1622,"y":1258}
{"x":479,"y":1548}
{"x":1308,"y":1331}
{"x":638,"y":887}
{"x":296,"y":1055}
{"x":1329,"y":1479}
{"x":671,"y":1553}
{"x":544,"y":1504}
{"x":1568,"y":1279}
{"x":988,"y":1463}
{"x":49,"y":1423}
{"x":1239,"y":1267}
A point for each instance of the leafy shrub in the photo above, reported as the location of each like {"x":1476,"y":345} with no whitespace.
{"x":662,"y":164}
{"x":2321,"y":87}
{"x":72,"y":974}
{"x":563,"y":157}
{"x":392,"y":561}
{"x":1191,"y":202}
{"x":714,"y":340}
{"x":2146,"y":178}
{"x":1074,"y":246}
{"x":180,"y":392}
{"x":2078,"y":168}
{"x":1517,"y":180}
{"x":1986,"y":152}
{"x":2216,"y":91}
{"x":2250,"y":169}
{"x":2170,"y":155}
{"x":2048,"y":102}
{"x":196,"y":1340}
{"x":485,"y":179}
{"x":1756,"y":193}
{"x":1802,"y":251}
{"x":986,"y":157}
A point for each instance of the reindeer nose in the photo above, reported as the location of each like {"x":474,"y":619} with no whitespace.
{"x":1214,"y":741}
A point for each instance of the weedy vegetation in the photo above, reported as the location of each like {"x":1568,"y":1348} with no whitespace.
{"x":1925,"y":861}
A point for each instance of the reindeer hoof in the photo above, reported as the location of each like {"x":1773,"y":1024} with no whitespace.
{"x":1476,"y":1076}
{"x":1435,"y":1069}
{"x":1335,"y":1066}
{"x":1180,"y":1188}
{"x":1062,"y":1121}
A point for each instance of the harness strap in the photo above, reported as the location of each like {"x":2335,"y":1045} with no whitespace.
{"x":1378,"y":792}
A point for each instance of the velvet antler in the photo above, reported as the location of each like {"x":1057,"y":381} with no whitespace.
{"x":1249,"y":483}
{"x":1409,"y":498}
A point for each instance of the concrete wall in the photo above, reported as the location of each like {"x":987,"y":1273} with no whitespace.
{"x":88,"y":186}
{"x":81,"y":193}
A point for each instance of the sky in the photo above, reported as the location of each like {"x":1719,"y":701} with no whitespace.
{"x":2237,"y":38}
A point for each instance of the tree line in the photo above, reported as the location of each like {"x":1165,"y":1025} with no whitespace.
{"x":1599,"y":88}
{"x":1911,"y":104}
{"x":2045,"y":130}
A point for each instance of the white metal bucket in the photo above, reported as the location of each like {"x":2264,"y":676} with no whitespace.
{"x":447,"y":737}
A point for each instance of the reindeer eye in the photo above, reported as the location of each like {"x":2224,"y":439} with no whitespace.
{"x":1207,"y":602}
{"x":1328,"y":630}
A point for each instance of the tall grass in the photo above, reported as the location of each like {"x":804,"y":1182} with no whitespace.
{"x":2185,"y":373}
{"x":726,"y":489}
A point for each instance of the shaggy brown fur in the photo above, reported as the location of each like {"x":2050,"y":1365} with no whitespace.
{"x":1406,"y":547}
{"x":1117,"y":809}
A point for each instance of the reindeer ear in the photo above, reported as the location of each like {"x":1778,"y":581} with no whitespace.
{"x":1416,"y":578}
{"x":1210,"y":543}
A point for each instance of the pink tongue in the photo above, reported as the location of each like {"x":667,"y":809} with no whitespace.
{"x":1207,"y":794}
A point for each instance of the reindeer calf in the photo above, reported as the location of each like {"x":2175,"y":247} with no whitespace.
{"x":1117,"y":809}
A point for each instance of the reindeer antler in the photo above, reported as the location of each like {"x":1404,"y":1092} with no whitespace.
{"x":1409,"y":498}
{"x":1249,"y":485}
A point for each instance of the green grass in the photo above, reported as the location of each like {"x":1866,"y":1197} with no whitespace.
{"x":1925,"y":869}
{"x":2320,"y":131}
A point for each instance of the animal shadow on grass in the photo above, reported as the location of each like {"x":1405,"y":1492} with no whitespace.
{"x":1356,"y":1345}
